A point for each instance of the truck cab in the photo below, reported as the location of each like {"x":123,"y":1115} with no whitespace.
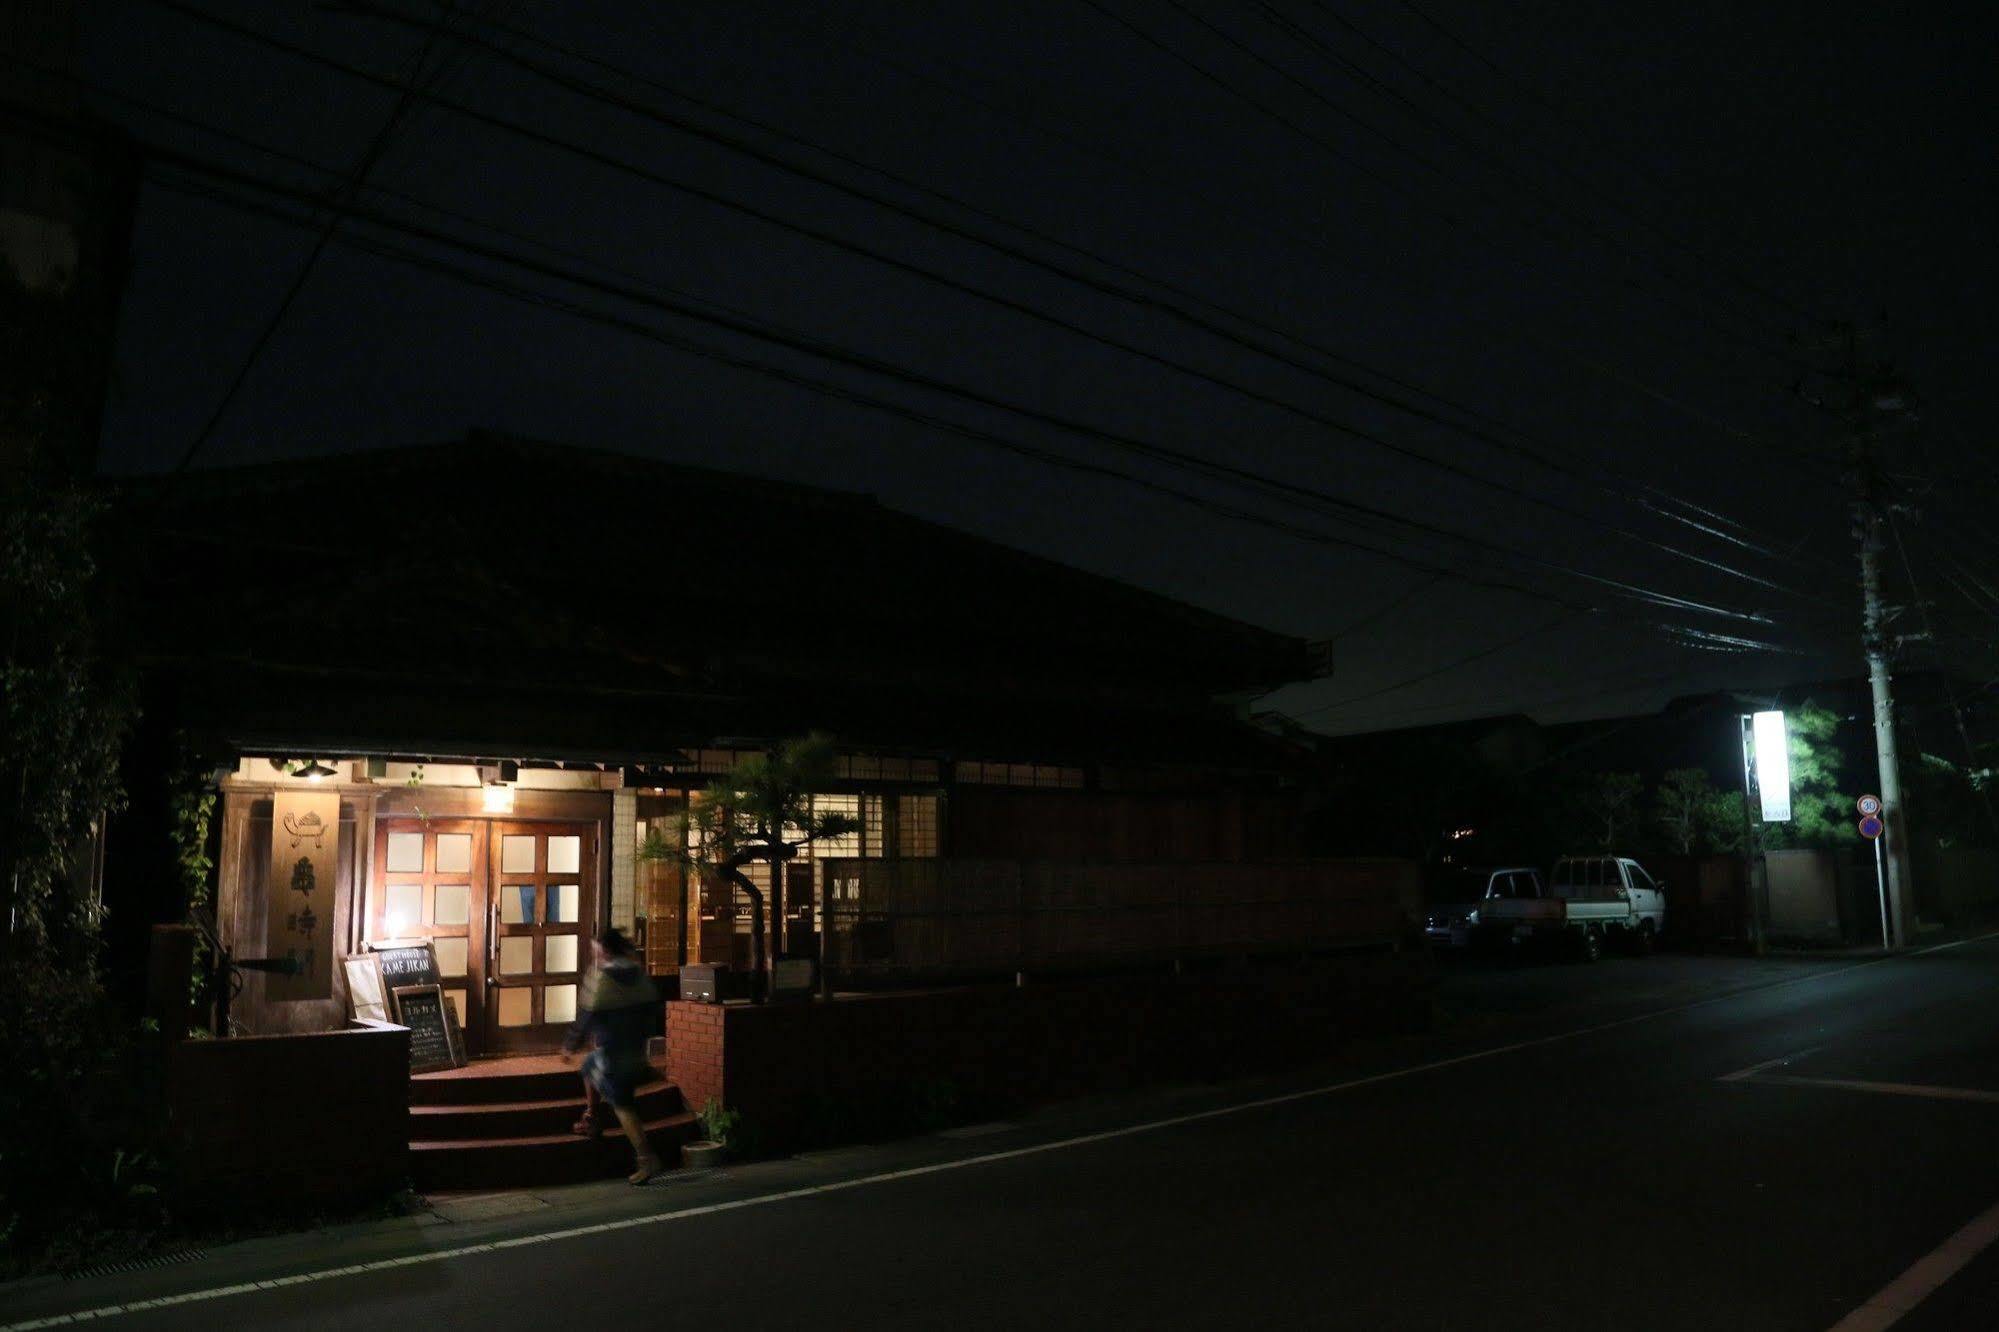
{"x":1455,"y":896}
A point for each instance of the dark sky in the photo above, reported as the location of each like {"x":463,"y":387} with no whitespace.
{"x":1609,"y":239}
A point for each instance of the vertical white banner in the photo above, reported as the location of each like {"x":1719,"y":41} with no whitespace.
{"x":1772,"y":740}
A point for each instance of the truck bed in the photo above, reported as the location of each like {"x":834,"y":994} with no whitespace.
{"x":1551,"y":912}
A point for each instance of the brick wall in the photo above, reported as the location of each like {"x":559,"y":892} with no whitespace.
{"x":694,"y":1051}
{"x":803,"y":1074}
{"x":287,"y":1124}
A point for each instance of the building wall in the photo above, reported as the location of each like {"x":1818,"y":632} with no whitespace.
{"x":1003,"y":823}
{"x":1803,"y":888}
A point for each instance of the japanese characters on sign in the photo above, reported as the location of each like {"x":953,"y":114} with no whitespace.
{"x":305,"y":841}
{"x":435,"y":1041}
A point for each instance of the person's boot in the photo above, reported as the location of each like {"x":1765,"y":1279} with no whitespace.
{"x":643,"y":1156}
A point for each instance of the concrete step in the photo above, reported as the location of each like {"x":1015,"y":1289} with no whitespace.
{"x":527,"y":1119}
{"x":540,"y":1159}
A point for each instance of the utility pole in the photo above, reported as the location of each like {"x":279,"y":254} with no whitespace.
{"x":1874,"y":392}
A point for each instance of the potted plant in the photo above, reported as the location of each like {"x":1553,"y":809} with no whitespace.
{"x":712,"y":1149}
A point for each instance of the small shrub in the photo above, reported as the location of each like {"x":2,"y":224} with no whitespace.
{"x":718,"y":1123}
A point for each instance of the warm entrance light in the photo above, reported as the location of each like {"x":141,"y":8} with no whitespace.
{"x":499,"y":798}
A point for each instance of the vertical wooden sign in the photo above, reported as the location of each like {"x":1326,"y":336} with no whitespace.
{"x":305,"y":841}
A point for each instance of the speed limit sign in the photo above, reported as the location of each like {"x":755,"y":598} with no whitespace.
{"x":1868,"y":805}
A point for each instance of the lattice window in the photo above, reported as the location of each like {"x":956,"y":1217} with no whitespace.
{"x":871,"y":825}
{"x":977,"y":773}
{"x":916,"y":827}
{"x":848,"y":844}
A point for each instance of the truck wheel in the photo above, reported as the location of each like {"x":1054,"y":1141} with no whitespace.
{"x":1590,"y":947}
{"x":1643,"y":938}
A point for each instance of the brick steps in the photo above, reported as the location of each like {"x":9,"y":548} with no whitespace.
{"x":526,"y":1119}
{"x":554,"y":1158}
{"x":504,"y":1124}
{"x":500,"y":1080}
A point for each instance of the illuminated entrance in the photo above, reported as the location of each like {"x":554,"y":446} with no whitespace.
{"x":510,"y":908}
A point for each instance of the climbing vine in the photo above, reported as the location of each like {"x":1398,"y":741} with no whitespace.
{"x":191,"y":813}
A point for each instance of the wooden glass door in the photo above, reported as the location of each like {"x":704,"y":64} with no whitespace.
{"x":431,"y":884}
{"x":540,"y":920}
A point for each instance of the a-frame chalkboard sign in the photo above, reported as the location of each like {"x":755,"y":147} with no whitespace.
{"x":435,"y":1040}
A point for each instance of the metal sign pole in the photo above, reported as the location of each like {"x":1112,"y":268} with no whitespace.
{"x":1881,"y":888}
{"x":1873,"y":826}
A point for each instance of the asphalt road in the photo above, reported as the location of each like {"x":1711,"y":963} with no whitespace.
{"x":1570,"y":1150}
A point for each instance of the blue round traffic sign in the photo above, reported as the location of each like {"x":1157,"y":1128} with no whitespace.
{"x":1871,"y":826}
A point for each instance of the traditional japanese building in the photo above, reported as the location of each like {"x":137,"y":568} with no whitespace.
{"x":449,"y":691}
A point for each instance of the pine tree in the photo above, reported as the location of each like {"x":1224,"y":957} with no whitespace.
{"x":761,"y":812}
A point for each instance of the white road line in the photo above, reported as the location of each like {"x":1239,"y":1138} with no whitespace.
{"x":1882,"y":1088}
{"x":1741,"y":1074}
{"x":913,"y":1172}
{"x":1888,"y":1305}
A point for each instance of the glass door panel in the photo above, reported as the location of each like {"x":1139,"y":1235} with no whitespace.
{"x":540,"y":920}
{"x":430,"y":884}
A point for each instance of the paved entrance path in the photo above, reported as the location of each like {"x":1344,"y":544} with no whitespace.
{"x":1640,"y":1144}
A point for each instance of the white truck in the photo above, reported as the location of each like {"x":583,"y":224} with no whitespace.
{"x":1591,"y":900}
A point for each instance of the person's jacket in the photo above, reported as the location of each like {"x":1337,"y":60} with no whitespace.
{"x":617,"y":1009}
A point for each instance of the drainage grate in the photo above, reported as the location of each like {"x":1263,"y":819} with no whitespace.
{"x":151,"y":1260}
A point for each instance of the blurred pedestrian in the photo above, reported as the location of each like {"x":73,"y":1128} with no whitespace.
{"x":614,"y":1018}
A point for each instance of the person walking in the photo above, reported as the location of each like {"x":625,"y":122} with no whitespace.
{"x":614,"y":1017}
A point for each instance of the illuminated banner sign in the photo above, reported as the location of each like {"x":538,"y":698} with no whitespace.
{"x":305,"y":841}
{"x":1773,"y":765}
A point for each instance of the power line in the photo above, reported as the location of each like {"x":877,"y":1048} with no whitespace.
{"x":1706,"y":261}
{"x":372,"y":154}
{"x":1619,"y":686}
{"x":1383,"y":611}
{"x":413,"y":258}
{"x":1949,"y":693}
{"x":1141,"y":298}
{"x":1289,"y":492}
{"x":961,"y":87}
{"x":1291,"y":124}
{"x":466,"y":275}
{"x":1532,"y":190}
{"x":1449,"y":666}
{"x":1537,"y":453}
{"x":650,"y":175}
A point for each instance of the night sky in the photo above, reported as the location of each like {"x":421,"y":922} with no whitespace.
{"x":1609,"y":230}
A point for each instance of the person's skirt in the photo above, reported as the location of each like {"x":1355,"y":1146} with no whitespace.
{"x":616,"y":1077}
